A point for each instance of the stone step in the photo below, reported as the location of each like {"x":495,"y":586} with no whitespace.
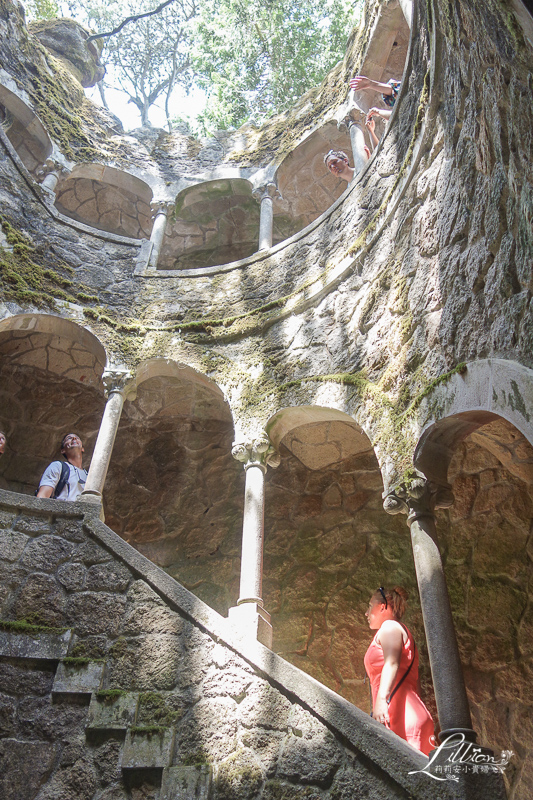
{"x":43,"y":645}
{"x":112,"y":712}
{"x":84,"y":679}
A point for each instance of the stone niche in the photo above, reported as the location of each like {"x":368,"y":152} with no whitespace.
{"x":24,"y":130}
{"x":215,"y":223}
{"x":108,"y":199}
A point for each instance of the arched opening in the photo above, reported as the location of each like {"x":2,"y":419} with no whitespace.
{"x":213,"y":223}
{"x":486,"y":543}
{"x":328,"y":546}
{"x":50,"y":384}
{"x":108,"y":199}
{"x":24,"y":130}
{"x":173,"y":490}
{"x":307,"y":187}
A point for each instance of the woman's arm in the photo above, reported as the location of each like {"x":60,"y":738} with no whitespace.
{"x":371,"y":125}
{"x":391,"y":641}
{"x":361,"y":82}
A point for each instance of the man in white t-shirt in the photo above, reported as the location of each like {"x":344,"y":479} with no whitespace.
{"x":72,"y":450}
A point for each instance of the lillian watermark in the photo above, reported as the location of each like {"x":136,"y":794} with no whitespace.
{"x":455,"y":755}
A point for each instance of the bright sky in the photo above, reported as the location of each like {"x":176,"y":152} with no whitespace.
{"x":183,"y":105}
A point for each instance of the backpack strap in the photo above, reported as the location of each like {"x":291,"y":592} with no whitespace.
{"x":63,"y":479}
{"x":407,"y":671}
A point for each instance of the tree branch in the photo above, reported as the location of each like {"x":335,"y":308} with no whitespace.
{"x":130,"y":19}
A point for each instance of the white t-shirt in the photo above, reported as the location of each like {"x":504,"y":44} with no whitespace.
{"x":75,"y":484}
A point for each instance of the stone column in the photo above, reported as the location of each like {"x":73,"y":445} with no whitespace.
{"x":356,"y":129}
{"x":419,"y":500}
{"x":117,"y":386}
{"x":49,"y":174}
{"x":266,"y":195}
{"x":159,"y":215}
{"x":249,"y":615}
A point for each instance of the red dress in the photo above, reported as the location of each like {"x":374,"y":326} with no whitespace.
{"x":409,"y":717}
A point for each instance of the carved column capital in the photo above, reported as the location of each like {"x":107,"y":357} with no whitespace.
{"x":417,"y":498}
{"x":266,"y":190}
{"x":161,"y":207}
{"x":258,"y":452}
{"x":51,"y":166}
{"x":117,"y":380}
{"x":355,"y":116}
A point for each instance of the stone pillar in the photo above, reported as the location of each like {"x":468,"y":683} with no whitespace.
{"x":49,"y":174}
{"x":419,"y":500}
{"x":266,"y":195}
{"x":159,"y":215}
{"x":356,"y":129}
{"x":249,"y":616}
{"x":117,"y":386}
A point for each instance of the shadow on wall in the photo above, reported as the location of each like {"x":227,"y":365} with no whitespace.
{"x":50,"y":385}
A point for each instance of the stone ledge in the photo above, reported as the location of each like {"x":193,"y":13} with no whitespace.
{"x":73,"y":679}
{"x":41,"y":646}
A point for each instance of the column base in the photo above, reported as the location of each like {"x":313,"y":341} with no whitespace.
{"x":95,"y":499}
{"x":251,"y":621}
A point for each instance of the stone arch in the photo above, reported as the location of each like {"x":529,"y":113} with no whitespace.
{"x":307,"y":187}
{"x":106,"y":198}
{"x":213,"y":223}
{"x":328,"y":545}
{"x":318,"y":437}
{"x":63,"y":364}
{"x":486,"y":544}
{"x":24,"y":130}
{"x":482,"y":392}
{"x":173,"y":490}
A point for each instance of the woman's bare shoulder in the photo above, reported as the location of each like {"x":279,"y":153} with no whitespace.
{"x":391,"y":627}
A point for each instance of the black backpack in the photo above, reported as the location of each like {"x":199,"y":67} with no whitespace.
{"x":63,"y":480}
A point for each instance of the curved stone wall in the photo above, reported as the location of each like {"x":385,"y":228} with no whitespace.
{"x":419,"y":270}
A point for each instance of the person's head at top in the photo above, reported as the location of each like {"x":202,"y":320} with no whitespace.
{"x":337,"y":163}
{"x":72,"y":449}
{"x":386,"y":604}
{"x":3,"y":440}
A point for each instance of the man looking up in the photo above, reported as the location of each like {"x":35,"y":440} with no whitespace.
{"x":337,"y":163}
{"x":65,"y":480}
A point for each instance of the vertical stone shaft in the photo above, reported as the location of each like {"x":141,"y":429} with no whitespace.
{"x":265,"y":196}
{"x":116,"y":387}
{"x":252,"y":535}
{"x":266,"y":223}
{"x":357,"y":138}
{"x":158,"y":232}
{"x":50,"y":181}
{"x":448,"y":681}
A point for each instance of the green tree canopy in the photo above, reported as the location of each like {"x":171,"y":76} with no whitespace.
{"x":256,"y":57}
{"x":252,"y":58}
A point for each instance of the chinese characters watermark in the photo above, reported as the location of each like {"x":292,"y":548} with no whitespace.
{"x":463,"y":757}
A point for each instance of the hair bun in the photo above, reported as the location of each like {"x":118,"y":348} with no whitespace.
{"x":402,"y":592}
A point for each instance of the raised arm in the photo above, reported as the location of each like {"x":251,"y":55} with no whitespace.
{"x":361,"y":82}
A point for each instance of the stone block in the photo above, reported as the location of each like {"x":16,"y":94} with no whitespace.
{"x":78,"y":679}
{"x":43,"y":646}
{"x":112,"y":712}
{"x":12,"y":544}
{"x":184,"y":783}
{"x":147,"y":748}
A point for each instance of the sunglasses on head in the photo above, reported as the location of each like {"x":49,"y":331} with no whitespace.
{"x":381,"y":590}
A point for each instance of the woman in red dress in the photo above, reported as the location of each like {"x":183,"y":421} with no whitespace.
{"x":391,"y":663}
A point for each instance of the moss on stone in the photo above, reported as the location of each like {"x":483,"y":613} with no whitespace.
{"x":24,"y":278}
{"x":29,"y":627}
{"x":110,"y":695}
{"x":155,"y":710}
